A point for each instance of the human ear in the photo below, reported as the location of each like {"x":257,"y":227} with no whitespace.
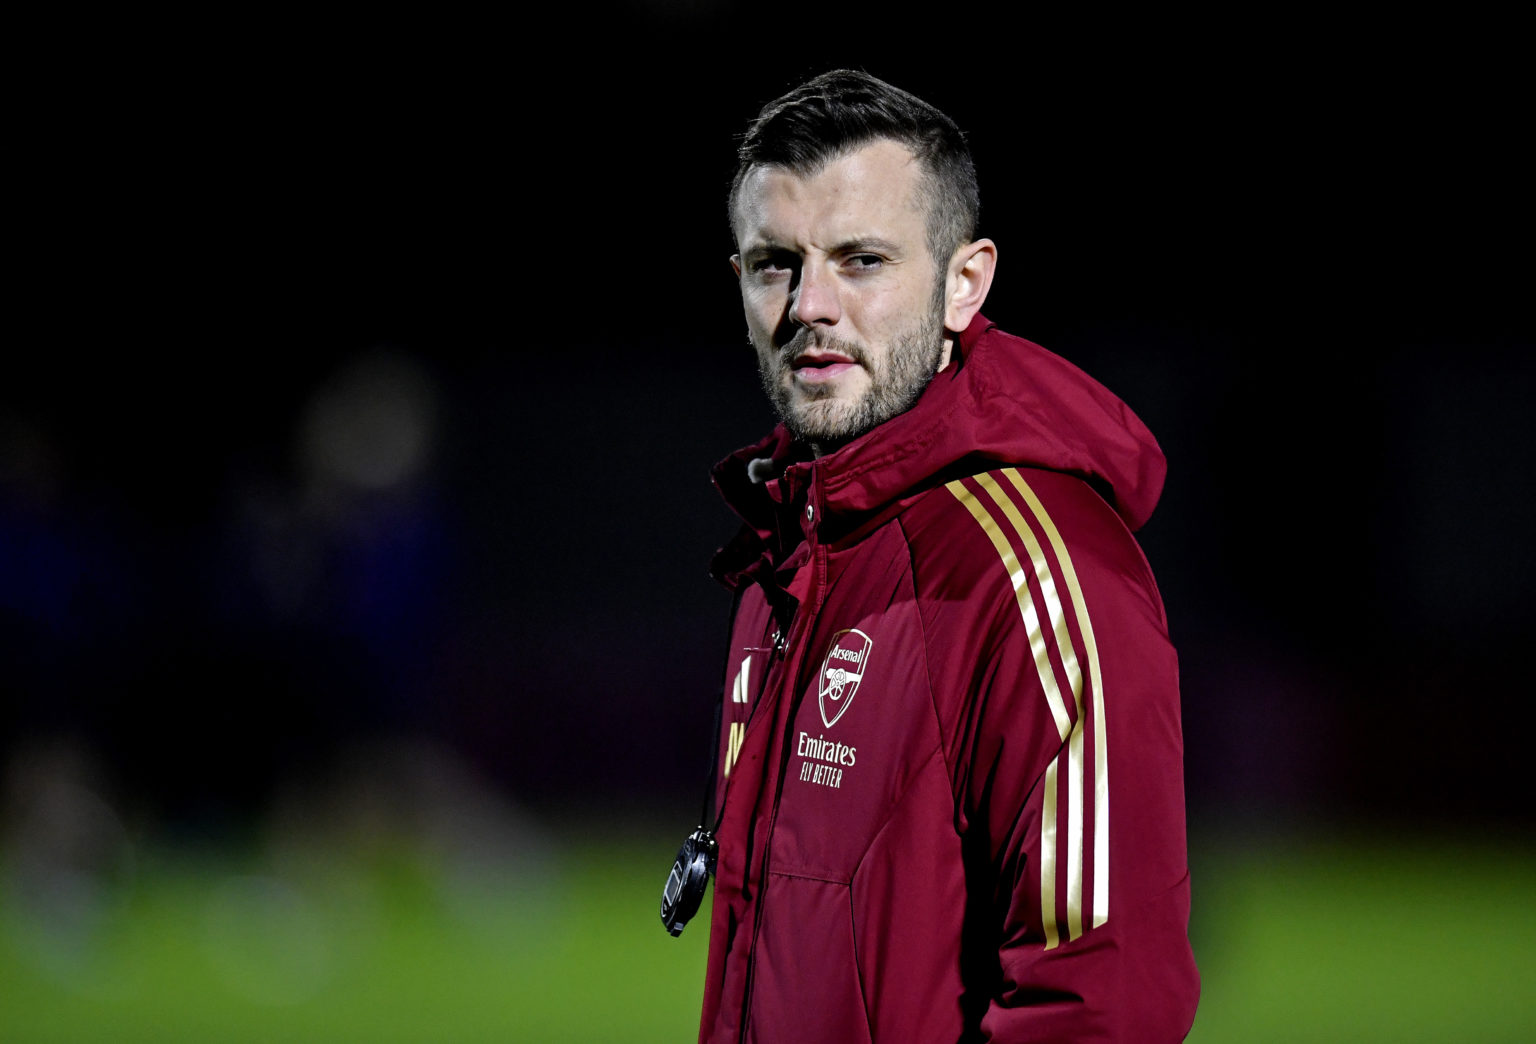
{"x":736,"y":265}
{"x":966,"y":283}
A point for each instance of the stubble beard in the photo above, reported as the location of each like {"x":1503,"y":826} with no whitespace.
{"x":817,"y":415}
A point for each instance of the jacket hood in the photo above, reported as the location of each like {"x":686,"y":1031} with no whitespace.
{"x":1005,"y":401}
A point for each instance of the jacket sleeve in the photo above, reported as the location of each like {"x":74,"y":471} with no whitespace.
{"x":1067,"y":969}
{"x":1069,"y":783}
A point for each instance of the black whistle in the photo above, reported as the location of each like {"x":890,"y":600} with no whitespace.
{"x":689,"y":878}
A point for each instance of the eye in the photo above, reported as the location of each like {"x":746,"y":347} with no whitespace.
{"x":772,"y":263}
{"x":864,"y":262}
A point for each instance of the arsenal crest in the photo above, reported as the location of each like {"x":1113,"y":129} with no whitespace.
{"x":841,"y":671}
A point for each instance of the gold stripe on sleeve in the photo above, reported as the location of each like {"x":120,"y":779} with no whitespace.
{"x":1057,"y":615}
{"x":1050,"y":807}
{"x":1025,"y":602}
{"x":1095,"y":681}
{"x":1048,"y":858}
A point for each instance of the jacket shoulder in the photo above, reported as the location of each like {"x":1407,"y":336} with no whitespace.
{"x":982,"y":535}
{"x":1001,"y":559}
{"x":959,"y":530}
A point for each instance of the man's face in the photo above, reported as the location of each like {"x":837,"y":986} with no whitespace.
{"x":844,"y":303}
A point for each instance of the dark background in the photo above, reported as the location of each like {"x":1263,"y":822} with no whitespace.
{"x":362,"y":387}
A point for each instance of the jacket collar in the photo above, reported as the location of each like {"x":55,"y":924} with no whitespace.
{"x":1001,"y":401}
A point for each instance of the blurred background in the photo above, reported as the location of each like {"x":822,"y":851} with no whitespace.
{"x":357,"y":653}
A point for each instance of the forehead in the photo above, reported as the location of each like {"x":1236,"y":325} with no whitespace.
{"x":873,"y":190}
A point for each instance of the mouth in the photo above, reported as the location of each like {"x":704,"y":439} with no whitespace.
{"x":815,"y":367}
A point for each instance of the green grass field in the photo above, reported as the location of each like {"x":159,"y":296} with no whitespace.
{"x":1384,"y":940}
{"x":1327,"y":942}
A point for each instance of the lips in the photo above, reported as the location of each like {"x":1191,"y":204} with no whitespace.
{"x":817,"y":366}
{"x":819,"y":360}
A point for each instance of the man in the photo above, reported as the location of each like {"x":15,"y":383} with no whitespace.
{"x":950,"y":785}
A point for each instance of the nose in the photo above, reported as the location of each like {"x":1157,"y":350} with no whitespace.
{"x":815,"y":299}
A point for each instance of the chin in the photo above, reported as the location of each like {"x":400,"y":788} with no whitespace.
{"x":827,"y":420}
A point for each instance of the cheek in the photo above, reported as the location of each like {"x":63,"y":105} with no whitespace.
{"x":769,"y":364}
{"x":765,"y":316}
{"x":882,"y":308}
{"x":763,"y":300}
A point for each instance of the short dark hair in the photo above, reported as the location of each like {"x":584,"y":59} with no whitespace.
{"x":845,"y":109}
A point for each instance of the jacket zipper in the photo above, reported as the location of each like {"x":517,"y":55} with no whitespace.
{"x":803,"y":621}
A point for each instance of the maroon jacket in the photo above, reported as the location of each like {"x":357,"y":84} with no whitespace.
{"x":951,"y":772}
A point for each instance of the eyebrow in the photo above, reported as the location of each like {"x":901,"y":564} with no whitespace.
{"x":762,"y":246}
{"x":855,"y":245}
{"x":862,"y":244}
